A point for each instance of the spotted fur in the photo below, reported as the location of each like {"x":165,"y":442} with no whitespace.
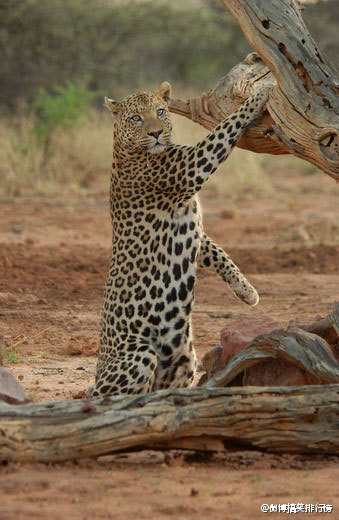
{"x":158,"y":241}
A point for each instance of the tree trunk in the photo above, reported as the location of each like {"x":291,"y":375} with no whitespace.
{"x":302,"y":111}
{"x":280,"y":419}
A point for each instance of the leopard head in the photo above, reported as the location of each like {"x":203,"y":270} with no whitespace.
{"x":141,"y":121}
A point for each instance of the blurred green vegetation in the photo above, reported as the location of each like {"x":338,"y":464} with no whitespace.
{"x":61,"y":108}
{"x":121,"y":46}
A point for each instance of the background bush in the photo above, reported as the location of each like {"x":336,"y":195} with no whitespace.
{"x":120,"y":46}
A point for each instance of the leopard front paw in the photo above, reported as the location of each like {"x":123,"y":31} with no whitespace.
{"x":260,"y":97}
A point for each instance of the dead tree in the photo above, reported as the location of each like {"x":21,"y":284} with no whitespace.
{"x":302,"y":111}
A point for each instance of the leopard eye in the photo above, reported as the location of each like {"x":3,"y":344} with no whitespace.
{"x":161,"y":112}
{"x":136,"y":118}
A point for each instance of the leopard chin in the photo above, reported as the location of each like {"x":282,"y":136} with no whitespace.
{"x":157,"y":148}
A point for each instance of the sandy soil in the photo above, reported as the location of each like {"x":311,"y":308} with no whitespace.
{"x":53,"y":260}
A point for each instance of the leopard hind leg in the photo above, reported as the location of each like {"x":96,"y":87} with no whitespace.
{"x":127,"y":372}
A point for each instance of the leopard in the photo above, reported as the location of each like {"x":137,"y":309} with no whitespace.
{"x":158,"y":243}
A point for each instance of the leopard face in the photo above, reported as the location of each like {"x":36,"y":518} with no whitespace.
{"x":142,"y":122}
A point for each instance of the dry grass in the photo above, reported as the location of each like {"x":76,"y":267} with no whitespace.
{"x":80,"y":158}
{"x":19,"y":163}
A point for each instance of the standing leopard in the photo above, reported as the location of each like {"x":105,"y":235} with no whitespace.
{"x":158,"y":242}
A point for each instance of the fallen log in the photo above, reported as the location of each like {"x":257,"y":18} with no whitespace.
{"x":279,"y":419}
{"x":302,"y":111}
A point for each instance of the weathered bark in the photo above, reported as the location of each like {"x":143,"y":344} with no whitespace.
{"x":327,"y":328}
{"x":302,"y":116}
{"x":226,"y":97}
{"x":334,"y":318}
{"x":305,"y":350}
{"x":293,"y":419}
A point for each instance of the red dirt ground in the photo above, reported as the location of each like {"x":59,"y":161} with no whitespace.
{"x":53,"y":261}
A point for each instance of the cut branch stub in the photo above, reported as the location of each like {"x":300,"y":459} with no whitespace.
{"x":303,"y":107}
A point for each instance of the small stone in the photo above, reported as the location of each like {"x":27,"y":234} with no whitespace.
{"x":240,"y":332}
{"x":74,"y":350}
{"x":10,"y":390}
{"x":174,"y":460}
{"x":302,"y":233}
{"x":16,"y":228}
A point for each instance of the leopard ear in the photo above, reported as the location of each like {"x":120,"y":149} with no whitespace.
{"x":164,"y":91}
{"x":113,"y":106}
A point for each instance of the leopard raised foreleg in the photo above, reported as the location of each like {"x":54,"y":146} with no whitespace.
{"x":213,"y":256}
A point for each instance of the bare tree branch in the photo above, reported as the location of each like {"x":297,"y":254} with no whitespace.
{"x":303,"y":108}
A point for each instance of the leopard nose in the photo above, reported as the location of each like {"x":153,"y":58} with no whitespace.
{"x":155,"y":134}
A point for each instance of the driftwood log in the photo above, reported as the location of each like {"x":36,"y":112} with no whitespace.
{"x":280,"y":419}
{"x":302,"y":111}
